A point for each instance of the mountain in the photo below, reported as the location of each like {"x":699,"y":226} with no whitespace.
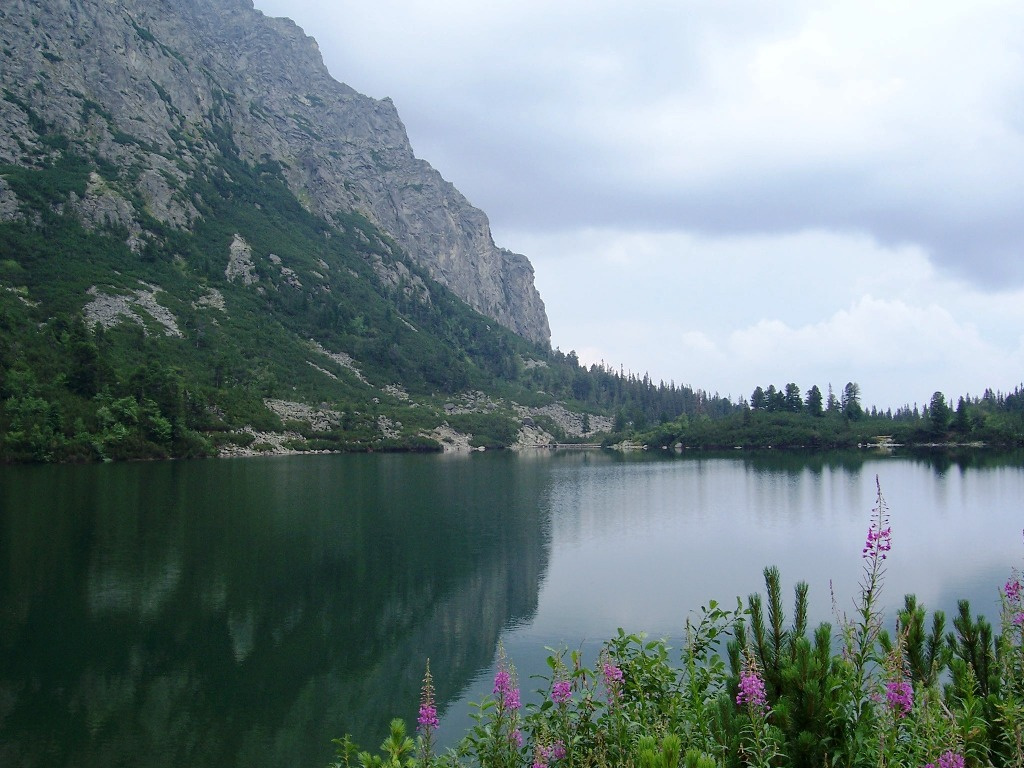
{"x":161,"y":90}
{"x":207,"y":244}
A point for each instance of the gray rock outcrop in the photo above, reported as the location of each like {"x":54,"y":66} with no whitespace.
{"x":8,"y":203}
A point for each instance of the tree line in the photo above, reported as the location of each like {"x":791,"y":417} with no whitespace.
{"x":789,"y":400}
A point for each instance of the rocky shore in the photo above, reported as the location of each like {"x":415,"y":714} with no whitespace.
{"x":324,"y":419}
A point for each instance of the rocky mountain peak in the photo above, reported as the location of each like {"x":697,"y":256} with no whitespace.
{"x":158,"y":89}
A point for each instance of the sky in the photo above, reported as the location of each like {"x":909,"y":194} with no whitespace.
{"x":731,"y":193}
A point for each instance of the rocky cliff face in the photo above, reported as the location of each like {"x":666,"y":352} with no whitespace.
{"x":158,"y":89}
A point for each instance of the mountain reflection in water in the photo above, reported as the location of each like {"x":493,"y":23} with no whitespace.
{"x":246,"y":612}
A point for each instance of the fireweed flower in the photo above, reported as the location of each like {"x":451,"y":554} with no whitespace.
{"x":899,"y":695}
{"x":502,"y":681}
{"x":949,"y":759}
{"x":1014,"y":604}
{"x":611,"y":672}
{"x":879,"y":539}
{"x":751,"y":691}
{"x":427,"y":719}
{"x":542,"y":756}
{"x":878,"y":542}
{"x":561,"y":692}
{"x":1012,"y":590}
{"x":511,"y":699}
{"x":505,"y":687}
{"x":612,"y":675}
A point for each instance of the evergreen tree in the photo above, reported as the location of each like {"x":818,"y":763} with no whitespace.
{"x":833,"y":402}
{"x":939,"y":413}
{"x":813,"y":402}
{"x":758,"y":400}
{"x":792,"y":398}
{"x":961,"y":421}
{"x":851,"y":401}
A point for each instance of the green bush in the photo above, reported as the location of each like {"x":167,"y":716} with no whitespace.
{"x":489,"y":430}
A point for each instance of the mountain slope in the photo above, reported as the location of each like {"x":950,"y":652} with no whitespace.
{"x":159,"y":91}
{"x":108,"y":352}
{"x":207,"y":245}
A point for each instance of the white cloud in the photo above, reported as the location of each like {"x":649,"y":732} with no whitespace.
{"x":730,"y":314}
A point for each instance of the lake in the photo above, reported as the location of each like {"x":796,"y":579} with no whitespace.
{"x":247,"y":611}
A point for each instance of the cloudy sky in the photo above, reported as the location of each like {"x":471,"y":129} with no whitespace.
{"x":731,"y":193}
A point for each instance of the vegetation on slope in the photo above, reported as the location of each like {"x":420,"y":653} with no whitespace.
{"x":137,"y":388}
{"x":781,"y":419}
{"x":333,"y":316}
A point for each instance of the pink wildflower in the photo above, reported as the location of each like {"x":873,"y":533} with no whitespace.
{"x":612,"y":677}
{"x":561,"y":692}
{"x":878,"y":542}
{"x":1012,"y":590}
{"x":427,"y":719}
{"x":502,"y":681}
{"x":511,"y":699}
{"x":899,"y":695}
{"x":505,"y":687}
{"x":949,"y":759}
{"x":541,"y":756}
{"x":611,"y":672}
{"x":544,"y":754}
{"x":752,"y":691}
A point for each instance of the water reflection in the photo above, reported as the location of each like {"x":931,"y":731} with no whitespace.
{"x":247,"y":612}
{"x":641,"y":542}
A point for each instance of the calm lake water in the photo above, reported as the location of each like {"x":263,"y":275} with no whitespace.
{"x":244,"y":612}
